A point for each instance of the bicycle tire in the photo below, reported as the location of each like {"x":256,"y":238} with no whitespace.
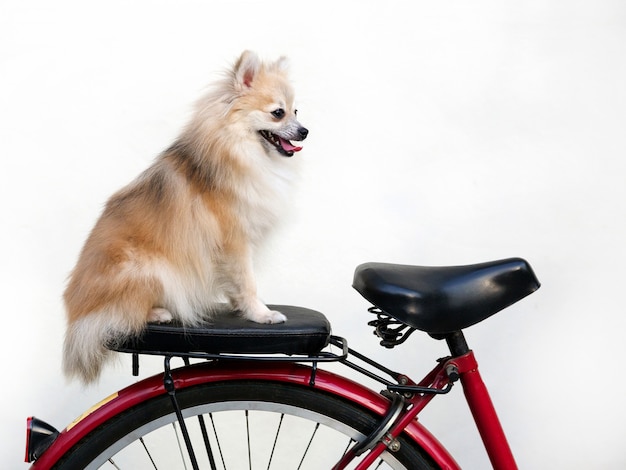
{"x":255,"y":404}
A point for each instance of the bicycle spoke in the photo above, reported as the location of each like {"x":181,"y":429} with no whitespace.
{"x":180,"y":447}
{"x":147,"y":452}
{"x":248,"y":436}
{"x":317,"y":425}
{"x":348,"y":447}
{"x":113,"y":463}
{"x":275,"y":440}
{"x":219,"y":447}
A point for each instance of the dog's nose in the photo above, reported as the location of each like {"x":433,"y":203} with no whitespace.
{"x":303,"y":132}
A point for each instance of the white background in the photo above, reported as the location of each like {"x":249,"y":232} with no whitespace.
{"x":440,"y":133}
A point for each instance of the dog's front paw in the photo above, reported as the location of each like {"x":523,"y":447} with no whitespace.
{"x":267,"y":316}
{"x":276,"y":317}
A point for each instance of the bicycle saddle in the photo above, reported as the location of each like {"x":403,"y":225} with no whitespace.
{"x":441,"y":300}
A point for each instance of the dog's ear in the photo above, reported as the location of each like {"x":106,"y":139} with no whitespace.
{"x":282,"y":64}
{"x":246,"y":69}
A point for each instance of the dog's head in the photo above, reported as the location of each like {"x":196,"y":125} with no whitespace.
{"x":265,"y":101}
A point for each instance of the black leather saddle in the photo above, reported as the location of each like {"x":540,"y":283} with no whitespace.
{"x":440,"y":300}
{"x":306,"y":332}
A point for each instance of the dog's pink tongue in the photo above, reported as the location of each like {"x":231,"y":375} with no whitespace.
{"x":288,"y":146}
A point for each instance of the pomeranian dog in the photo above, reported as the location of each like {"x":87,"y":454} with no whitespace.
{"x":169,"y":244}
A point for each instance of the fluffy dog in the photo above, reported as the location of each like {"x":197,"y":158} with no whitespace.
{"x":183,"y":233}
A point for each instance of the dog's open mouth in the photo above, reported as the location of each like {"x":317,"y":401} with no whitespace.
{"x":283,"y":146}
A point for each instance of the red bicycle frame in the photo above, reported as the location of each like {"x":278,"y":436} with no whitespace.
{"x":465,"y":368}
{"x":484,"y":413}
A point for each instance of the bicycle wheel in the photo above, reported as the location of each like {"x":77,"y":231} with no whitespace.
{"x":236,"y":425}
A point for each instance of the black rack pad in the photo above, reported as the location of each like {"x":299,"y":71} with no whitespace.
{"x":305,"y":332}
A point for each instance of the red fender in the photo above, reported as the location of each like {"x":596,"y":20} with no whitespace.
{"x":221,"y":372}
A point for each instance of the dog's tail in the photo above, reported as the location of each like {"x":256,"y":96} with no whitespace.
{"x":85,"y":350}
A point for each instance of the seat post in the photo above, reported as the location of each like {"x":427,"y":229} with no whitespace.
{"x":480,"y":404}
{"x":457,"y":344}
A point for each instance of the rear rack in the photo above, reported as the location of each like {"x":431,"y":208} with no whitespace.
{"x":399,"y":383}
{"x":321,"y":356}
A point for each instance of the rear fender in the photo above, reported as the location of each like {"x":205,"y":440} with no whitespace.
{"x":222,"y":372}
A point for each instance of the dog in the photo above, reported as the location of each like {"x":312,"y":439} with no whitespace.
{"x":182,"y":235}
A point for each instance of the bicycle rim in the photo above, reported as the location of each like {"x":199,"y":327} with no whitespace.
{"x":237,"y":425}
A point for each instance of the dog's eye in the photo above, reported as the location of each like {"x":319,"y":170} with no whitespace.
{"x":295,"y":111}
{"x":278,"y":113}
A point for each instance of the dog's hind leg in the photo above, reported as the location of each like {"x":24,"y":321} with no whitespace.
{"x":159,"y":315}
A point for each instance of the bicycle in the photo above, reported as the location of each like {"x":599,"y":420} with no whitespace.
{"x":267,"y":381}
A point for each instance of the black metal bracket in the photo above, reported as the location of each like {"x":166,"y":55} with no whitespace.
{"x":313,"y":374}
{"x":170,"y":387}
{"x":135,"y":365}
{"x":395,"y":409}
{"x":379,"y":434}
{"x":398,"y":387}
{"x":418,"y":389}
